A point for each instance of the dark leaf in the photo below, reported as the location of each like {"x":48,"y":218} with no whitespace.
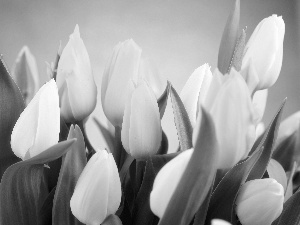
{"x":197,"y":178}
{"x":267,"y":143}
{"x":162,"y":101}
{"x":182,"y":121}
{"x":239,"y":52}
{"x":45,"y":213}
{"x":291,"y":211}
{"x":12,"y":104}
{"x":229,"y":39}
{"x":142,"y":212}
{"x":73,"y":163}
{"x":163,"y":149}
{"x":24,"y":187}
{"x":285,"y":151}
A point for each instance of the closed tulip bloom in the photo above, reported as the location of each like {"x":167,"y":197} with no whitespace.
{"x":98,"y":190}
{"x":75,"y":81}
{"x":259,"y":102}
{"x":25,"y":74}
{"x":264,"y":51}
{"x":219,"y":222}
{"x":141,"y":129}
{"x":233,"y":116}
{"x":38,"y":126}
{"x":125,"y":64}
{"x":166,"y":182}
{"x":195,"y":90}
{"x":260,"y":202}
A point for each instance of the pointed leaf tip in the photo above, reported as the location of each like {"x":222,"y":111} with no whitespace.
{"x":229,"y":39}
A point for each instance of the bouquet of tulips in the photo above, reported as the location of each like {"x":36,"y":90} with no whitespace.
{"x":228,"y":168}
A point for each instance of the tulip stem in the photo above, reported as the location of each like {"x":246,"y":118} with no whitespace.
{"x":88,"y":145}
{"x":119,"y":152}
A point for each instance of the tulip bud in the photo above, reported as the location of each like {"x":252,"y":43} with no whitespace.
{"x":141,"y":129}
{"x":264,"y":50}
{"x":288,"y":127}
{"x":76,"y":85}
{"x":98,"y":190}
{"x":166,"y":182}
{"x":124,"y":65}
{"x":38,"y":126}
{"x":232,"y":113}
{"x":259,"y":102}
{"x":219,"y":222}
{"x":195,"y":90}
{"x":260,"y":202}
{"x":25,"y":74}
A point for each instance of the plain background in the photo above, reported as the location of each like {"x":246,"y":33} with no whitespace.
{"x":178,"y":36}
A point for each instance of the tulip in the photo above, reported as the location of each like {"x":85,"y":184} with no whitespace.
{"x":125,"y":64}
{"x":76,"y":85}
{"x":263,"y":53}
{"x":259,"y":102}
{"x":233,"y":115}
{"x":166,"y":182}
{"x":260,"y":202}
{"x":276,"y":171}
{"x":219,"y":222}
{"x":38,"y":126}
{"x":195,"y":90}
{"x":25,"y":74}
{"x":141,"y":129}
{"x":98,"y":190}
{"x":288,"y":127}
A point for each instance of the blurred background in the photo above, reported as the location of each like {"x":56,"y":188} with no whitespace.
{"x":178,"y":36}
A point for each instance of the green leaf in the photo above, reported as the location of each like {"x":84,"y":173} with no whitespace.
{"x":229,"y":39}
{"x":163,"y":149}
{"x":24,"y":187}
{"x":73,"y":163}
{"x":284,"y":153}
{"x":12,"y":104}
{"x":202,"y":211}
{"x":267,"y":143}
{"x":291,"y":211}
{"x":162,"y":101}
{"x":142,"y":212}
{"x":223,"y":205}
{"x":183,"y":124}
{"x":238,"y":54}
{"x":197,"y":178}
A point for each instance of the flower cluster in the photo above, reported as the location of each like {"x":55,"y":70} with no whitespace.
{"x":228,"y":169}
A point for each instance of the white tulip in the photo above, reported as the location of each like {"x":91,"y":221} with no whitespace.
{"x":38,"y":126}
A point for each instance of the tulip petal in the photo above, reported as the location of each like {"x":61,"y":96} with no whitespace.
{"x":48,"y":120}
{"x":233,"y":102}
{"x":25,"y":73}
{"x":276,"y":171}
{"x":74,"y":67}
{"x":125,"y":68}
{"x":145,"y":129}
{"x":195,"y":90}
{"x":126,"y":118}
{"x":175,"y":167}
{"x":150,"y":73}
{"x":115,"y":193}
{"x":90,"y":188}
{"x":259,"y":103}
{"x":31,"y":135}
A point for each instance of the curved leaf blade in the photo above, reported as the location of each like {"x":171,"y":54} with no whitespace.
{"x":229,"y":39}
{"x":197,"y":178}
{"x":183,"y":124}
{"x":73,"y":163}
